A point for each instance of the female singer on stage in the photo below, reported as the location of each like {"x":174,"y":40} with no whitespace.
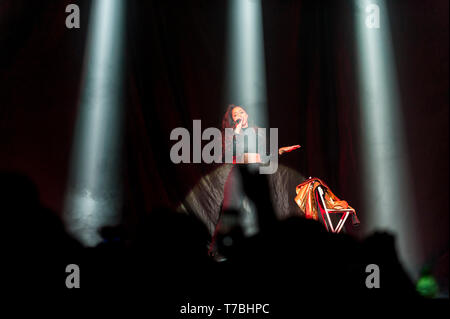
{"x":251,"y":152}
{"x":237,"y":118}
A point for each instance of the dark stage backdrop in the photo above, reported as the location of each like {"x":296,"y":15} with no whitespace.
{"x":175,"y":59}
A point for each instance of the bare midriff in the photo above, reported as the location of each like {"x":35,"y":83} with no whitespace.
{"x":247,"y":158}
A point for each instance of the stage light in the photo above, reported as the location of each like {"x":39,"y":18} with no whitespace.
{"x":427,"y":285}
{"x":93,"y":196}
{"x":246,"y":73}
{"x":388,"y":201}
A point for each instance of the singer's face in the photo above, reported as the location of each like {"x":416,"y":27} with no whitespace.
{"x":239,"y":113}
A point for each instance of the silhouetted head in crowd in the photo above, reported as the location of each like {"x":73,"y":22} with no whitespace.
{"x":27,"y":223}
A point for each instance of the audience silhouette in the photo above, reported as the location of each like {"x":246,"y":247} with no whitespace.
{"x":167,"y":256}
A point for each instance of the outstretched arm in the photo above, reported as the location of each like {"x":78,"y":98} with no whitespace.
{"x":287,"y":149}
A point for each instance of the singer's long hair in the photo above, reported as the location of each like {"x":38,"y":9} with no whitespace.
{"x":227,"y":120}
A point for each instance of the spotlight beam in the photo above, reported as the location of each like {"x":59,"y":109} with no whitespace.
{"x":246,"y":73}
{"x":387,"y":195}
{"x":93,"y":196}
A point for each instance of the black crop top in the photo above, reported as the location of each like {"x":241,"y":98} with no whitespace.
{"x":249,"y":140}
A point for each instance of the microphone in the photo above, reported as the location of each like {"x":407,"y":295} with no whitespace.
{"x":237,"y":122}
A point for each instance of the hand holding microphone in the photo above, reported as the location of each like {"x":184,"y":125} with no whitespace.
{"x":238,"y":126}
